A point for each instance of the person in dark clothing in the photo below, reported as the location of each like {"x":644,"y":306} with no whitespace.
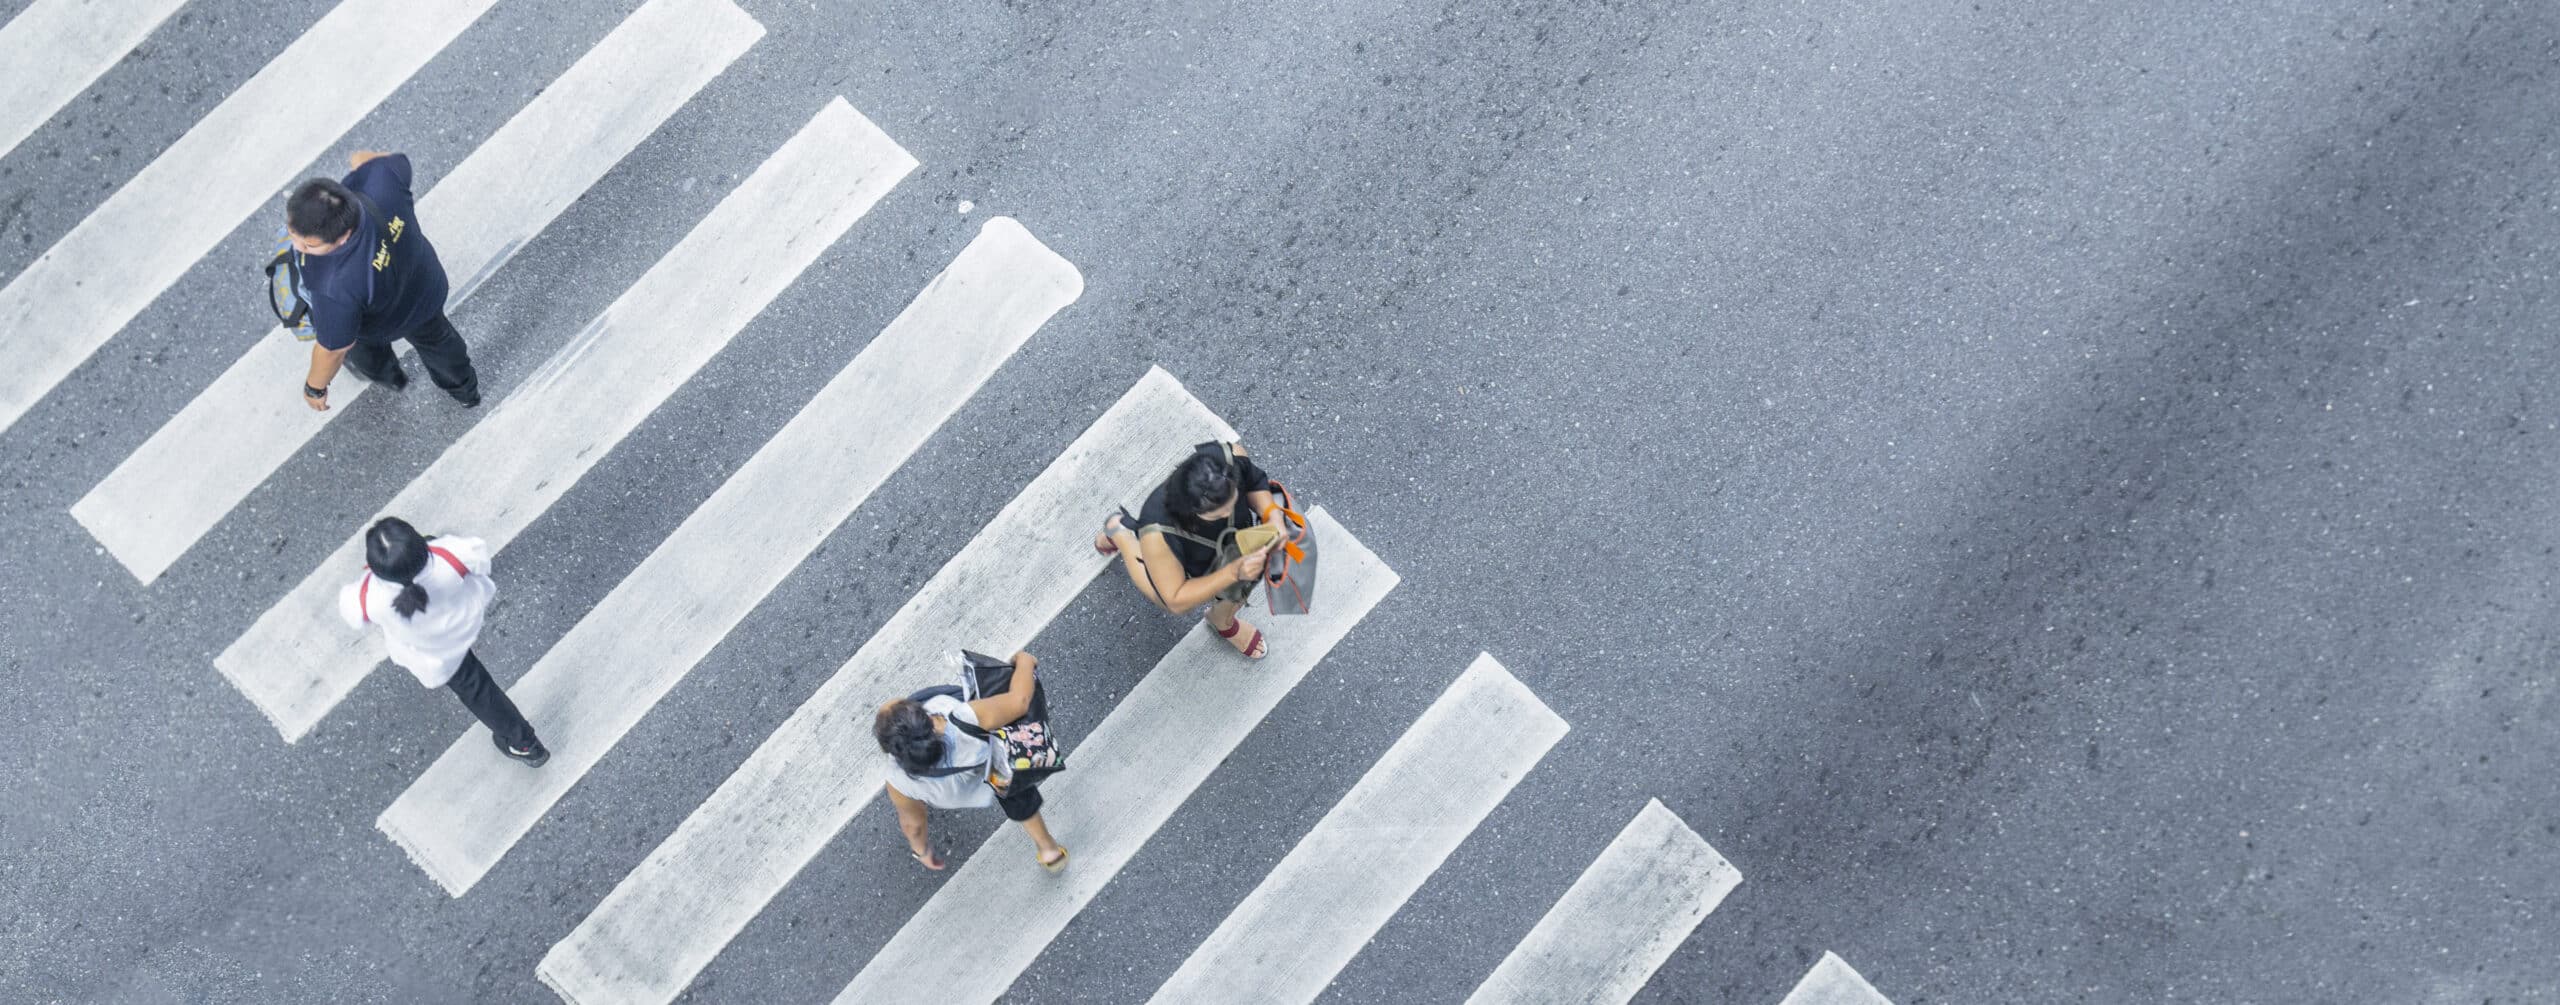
{"x":372,"y":280}
{"x":1181,"y":554}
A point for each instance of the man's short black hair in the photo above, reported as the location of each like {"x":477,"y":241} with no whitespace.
{"x":320,"y":209}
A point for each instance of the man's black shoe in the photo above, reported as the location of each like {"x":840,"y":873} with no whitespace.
{"x":533,"y":758}
{"x":468,"y":396}
{"x":399,"y":381}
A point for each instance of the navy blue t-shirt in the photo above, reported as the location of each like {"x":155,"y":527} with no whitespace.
{"x":385,"y":280}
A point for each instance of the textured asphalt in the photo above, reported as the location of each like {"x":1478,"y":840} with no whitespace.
{"x":2058,"y":494}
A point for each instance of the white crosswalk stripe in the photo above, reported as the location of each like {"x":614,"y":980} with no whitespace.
{"x":297,"y":662}
{"x":1341,"y":883}
{"x":673,"y":913}
{"x":1175,"y":728}
{"x":119,"y":258}
{"x":472,"y":804}
{"x":1832,"y":982}
{"x":173,"y":489}
{"x":1625,"y":915}
{"x":55,"y":49}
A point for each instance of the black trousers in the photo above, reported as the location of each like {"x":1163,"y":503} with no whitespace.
{"x":490,"y":704}
{"x":440,"y":347}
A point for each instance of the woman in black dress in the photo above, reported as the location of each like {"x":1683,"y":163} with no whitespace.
{"x":1181,"y":554}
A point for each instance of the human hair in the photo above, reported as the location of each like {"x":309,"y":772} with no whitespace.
{"x":321,"y":209}
{"x":1202,"y":482}
{"x":397,"y":553}
{"x":905,"y":731}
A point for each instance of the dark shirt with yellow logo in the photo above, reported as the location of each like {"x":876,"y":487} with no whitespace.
{"x":385,"y":280}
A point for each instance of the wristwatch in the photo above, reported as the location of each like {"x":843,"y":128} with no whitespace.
{"x":309,"y":391}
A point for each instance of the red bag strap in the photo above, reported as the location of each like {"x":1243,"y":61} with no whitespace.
{"x":364,"y":587}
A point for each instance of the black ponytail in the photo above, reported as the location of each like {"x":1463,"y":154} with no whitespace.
{"x":397,"y":553}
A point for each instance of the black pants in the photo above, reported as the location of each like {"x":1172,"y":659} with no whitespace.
{"x":1020,"y":805}
{"x":448,"y":361}
{"x":486,"y":701}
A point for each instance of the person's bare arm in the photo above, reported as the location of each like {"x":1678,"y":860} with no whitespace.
{"x":997,"y":711}
{"x":357,"y":159}
{"x":1175,"y":591}
{"x":324,"y":368}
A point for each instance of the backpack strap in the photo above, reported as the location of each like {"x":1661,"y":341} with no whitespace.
{"x":289,"y":260}
{"x":364,"y":587}
{"x":969,"y":729}
{"x":1169,"y":529}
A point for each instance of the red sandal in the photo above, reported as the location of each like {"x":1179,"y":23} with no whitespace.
{"x":1253,"y":647}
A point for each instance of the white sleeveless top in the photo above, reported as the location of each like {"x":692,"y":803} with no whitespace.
{"x":963,"y":790}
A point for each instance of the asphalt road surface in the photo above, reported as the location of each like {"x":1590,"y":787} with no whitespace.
{"x":2058,"y":496}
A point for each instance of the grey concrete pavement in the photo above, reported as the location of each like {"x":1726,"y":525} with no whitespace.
{"x":2058,"y":495}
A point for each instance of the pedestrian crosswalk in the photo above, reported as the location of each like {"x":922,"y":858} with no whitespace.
{"x":296,"y":662}
{"x":1155,"y":748}
{"x":1350,"y":874}
{"x":667,"y":919}
{"x":1605,"y":937}
{"x":1832,"y":982}
{"x":653,"y":934}
{"x":596,"y":682}
{"x":168,"y":493}
{"x":54,"y":49}
{"x":61,"y":309}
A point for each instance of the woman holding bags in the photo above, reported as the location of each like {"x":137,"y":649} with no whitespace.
{"x":951,"y":754}
{"x":1195,"y":540}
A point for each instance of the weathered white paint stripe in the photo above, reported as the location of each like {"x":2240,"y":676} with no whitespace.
{"x":1341,"y":883}
{"x":693,"y":894}
{"x":1149,"y":755}
{"x":181,"y":482}
{"x":118,"y":259}
{"x":472,"y":805}
{"x":55,"y":49}
{"x":1832,"y":982}
{"x":298,"y":661}
{"x":1630,"y":910}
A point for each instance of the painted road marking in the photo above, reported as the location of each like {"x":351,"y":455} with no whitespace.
{"x":119,"y":258}
{"x":673,"y":913}
{"x":1627,"y":913}
{"x":1341,"y":883}
{"x":1149,"y":755}
{"x":472,"y":805}
{"x":298,"y":661}
{"x":55,"y":49}
{"x":1832,"y":982}
{"x":238,"y":431}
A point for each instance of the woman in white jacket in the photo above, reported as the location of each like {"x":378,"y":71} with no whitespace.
{"x":429,"y":596}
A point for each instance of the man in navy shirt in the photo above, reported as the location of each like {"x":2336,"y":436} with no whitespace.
{"x":372,"y":279}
